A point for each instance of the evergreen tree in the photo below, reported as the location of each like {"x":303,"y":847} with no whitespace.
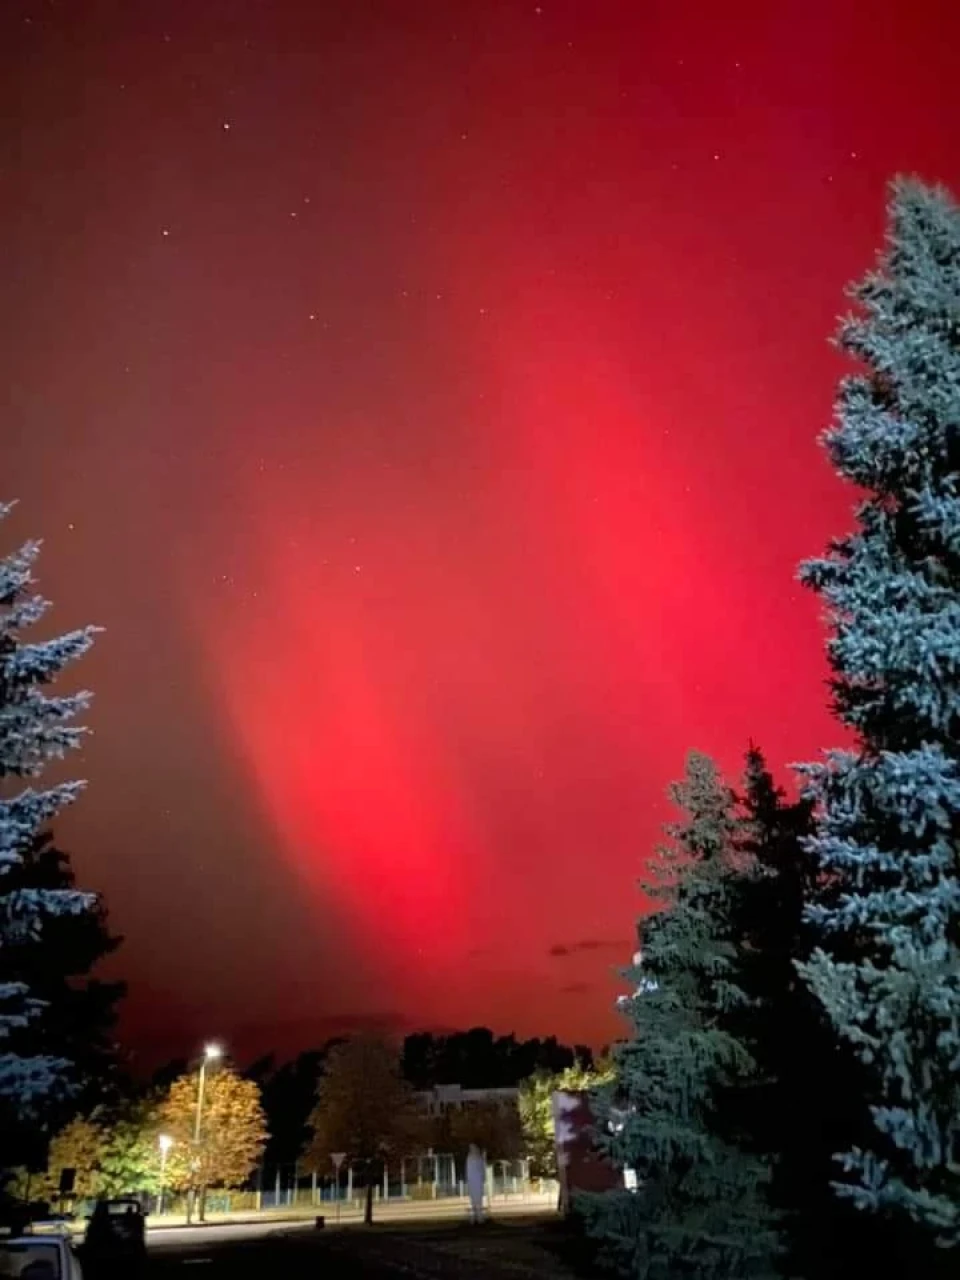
{"x":35,"y":727}
{"x":888,"y":966}
{"x":807,"y":1098}
{"x":699,"y":1208}
{"x":78,"y":1013}
{"x":288,"y":1094}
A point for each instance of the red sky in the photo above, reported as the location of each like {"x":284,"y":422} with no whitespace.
{"x":424,"y":397}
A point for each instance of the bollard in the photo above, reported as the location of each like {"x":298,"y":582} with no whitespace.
{"x":319,"y":1222}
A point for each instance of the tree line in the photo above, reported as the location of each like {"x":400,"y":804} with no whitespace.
{"x":194,"y":1134}
{"x":475,"y":1059}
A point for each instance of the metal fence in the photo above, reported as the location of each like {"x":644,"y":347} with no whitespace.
{"x":430,"y":1177}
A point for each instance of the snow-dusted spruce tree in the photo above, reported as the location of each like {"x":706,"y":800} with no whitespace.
{"x":887,"y":969}
{"x":700,"y":1209}
{"x":35,"y":727}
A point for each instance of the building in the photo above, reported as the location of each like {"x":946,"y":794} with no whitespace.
{"x":580,"y":1166}
{"x":453,"y":1097}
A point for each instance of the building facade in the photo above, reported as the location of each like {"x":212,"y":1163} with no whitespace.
{"x":453,"y":1097}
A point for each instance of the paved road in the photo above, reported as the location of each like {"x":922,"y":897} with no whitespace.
{"x":425,"y":1211}
{"x":512,"y":1249}
{"x":178,"y":1239}
{"x":243,"y":1258}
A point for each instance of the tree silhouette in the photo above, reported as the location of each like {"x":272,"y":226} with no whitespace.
{"x":365,"y":1109}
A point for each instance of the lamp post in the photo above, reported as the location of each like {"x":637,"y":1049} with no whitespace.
{"x":338,"y":1158}
{"x":211,"y":1053}
{"x":165,"y":1142}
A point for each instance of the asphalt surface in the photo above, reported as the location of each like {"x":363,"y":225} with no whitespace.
{"x":514,"y":1249}
{"x":384,"y":1211}
{"x":242,"y":1257}
{"x":447,"y":1211}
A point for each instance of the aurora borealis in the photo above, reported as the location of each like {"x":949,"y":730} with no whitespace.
{"x":424,"y":397}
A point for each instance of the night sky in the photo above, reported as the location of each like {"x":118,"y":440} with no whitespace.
{"x":424,"y":397}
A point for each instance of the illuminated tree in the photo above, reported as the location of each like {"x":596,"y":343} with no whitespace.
{"x":129,"y":1159}
{"x":78,"y":1146}
{"x":110,"y":1155}
{"x":35,"y":728}
{"x":699,"y":1208}
{"x":233,"y":1132}
{"x":364,"y":1108}
{"x":888,"y":811}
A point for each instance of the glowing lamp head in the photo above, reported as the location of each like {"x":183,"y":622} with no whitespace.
{"x":212,"y":1051}
{"x":166,"y":1142}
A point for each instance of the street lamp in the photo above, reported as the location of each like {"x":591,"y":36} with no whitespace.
{"x":211,"y":1053}
{"x":165,"y":1142}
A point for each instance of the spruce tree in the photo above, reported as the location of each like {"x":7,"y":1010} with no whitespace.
{"x":77,"y":1012}
{"x":887,"y":969}
{"x":699,"y":1208}
{"x":807,"y":1097}
{"x":768,"y":892}
{"x":35,"y":727}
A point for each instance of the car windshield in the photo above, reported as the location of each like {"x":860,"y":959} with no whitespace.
{"x":118,"y":1209}
{"x":29,"y":1260}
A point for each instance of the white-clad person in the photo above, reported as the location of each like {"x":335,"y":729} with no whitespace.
{"x":476,"y":1181}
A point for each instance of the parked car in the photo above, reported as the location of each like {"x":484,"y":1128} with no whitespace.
{"x":45,"y":1256}
{"x":116,"y":1232}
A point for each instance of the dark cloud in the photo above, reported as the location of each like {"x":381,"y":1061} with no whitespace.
{"x":561,"y":949}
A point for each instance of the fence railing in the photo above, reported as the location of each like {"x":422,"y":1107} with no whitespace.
{"x":399,"y":1185}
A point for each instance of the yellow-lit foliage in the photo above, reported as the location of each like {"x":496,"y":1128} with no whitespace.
{"x":233,"y":1130}
{"x":77,"y":1147}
